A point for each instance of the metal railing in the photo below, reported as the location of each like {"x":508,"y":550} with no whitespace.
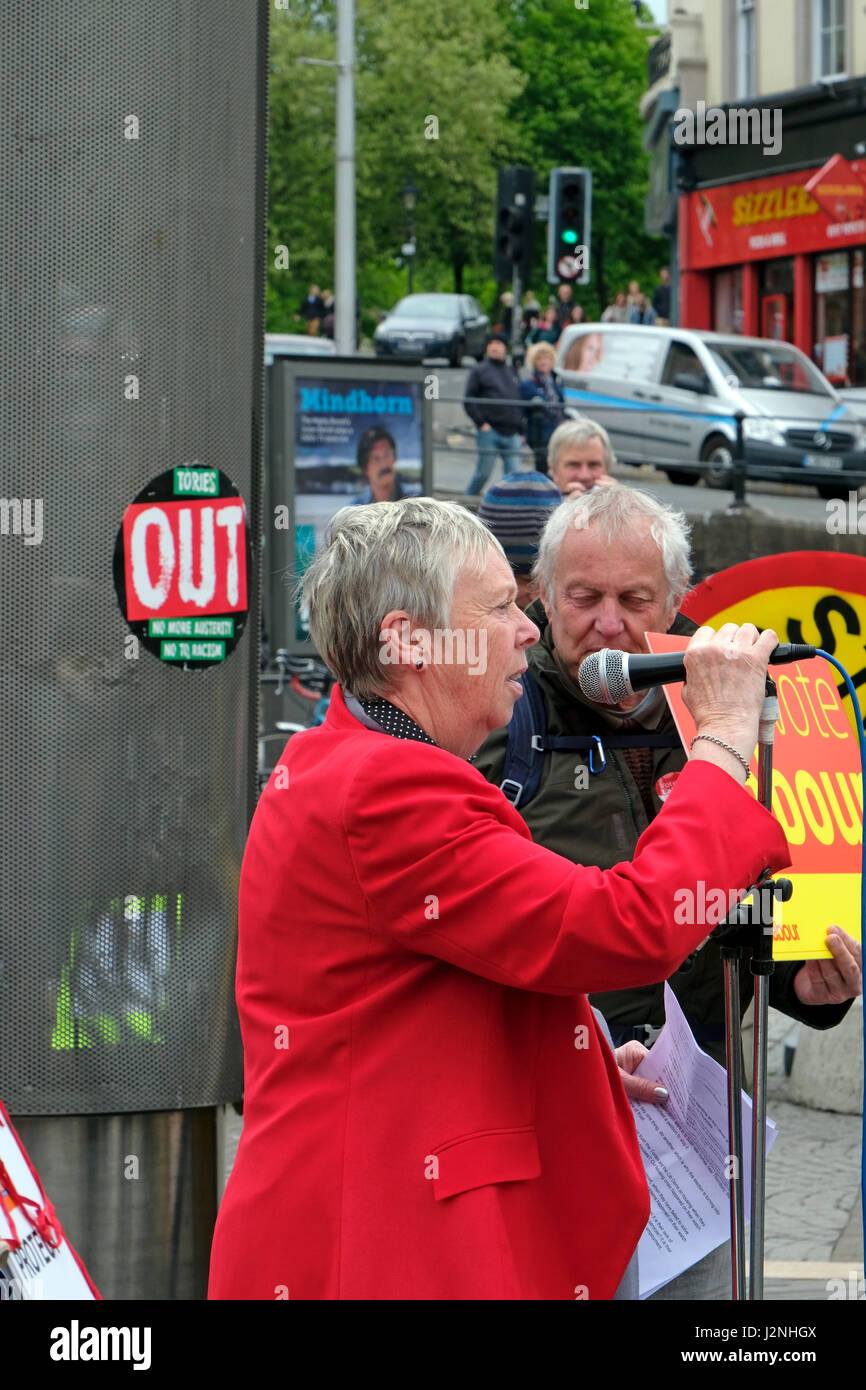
{"x":733,"y":474}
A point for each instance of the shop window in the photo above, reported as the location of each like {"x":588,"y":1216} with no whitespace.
{"x":830,"y":38}
{"x":777,"y":299}
{"x":682,"y":358}
{"x":833,"y":305}
{"x":728,"y":300}
{"x":857,"y":355}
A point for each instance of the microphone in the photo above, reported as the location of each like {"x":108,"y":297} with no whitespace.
{"x":607,"y":677}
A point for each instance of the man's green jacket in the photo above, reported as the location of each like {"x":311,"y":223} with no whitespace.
{"x":596,"y":819}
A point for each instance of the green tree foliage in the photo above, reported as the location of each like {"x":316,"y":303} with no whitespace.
{"x":448,"y":91}
{"x":587,"y":71}
{"x":433,"y":92}
{"x":300,"y":159}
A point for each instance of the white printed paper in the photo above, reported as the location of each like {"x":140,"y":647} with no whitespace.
{"x":685,"y":1150}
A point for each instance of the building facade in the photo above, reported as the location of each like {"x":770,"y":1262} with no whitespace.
{"x":775,"y":90}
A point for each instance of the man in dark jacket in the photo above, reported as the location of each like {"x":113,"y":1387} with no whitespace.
{"x":604,"y":580}
{"x":497,"y":415}
{"x":311,"y":309}
{"x":662,"y":298}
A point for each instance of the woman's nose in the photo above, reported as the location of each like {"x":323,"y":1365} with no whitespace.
{"x":527,"y":634}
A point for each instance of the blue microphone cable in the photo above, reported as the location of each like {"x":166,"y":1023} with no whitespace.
{"x":861,"y":737}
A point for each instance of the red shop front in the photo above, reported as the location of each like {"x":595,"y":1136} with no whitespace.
{"x":763,"y":258}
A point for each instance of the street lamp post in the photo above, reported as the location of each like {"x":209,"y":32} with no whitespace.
{"x":410,"y":198}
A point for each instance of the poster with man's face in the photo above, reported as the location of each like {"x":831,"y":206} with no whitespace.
{"x":357,"y":440}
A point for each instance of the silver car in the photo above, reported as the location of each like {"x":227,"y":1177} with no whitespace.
{"x":670,"y":397}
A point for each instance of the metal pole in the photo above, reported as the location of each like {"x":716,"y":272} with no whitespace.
{"x":344,"y":209}
{"x":738,"y":481}
{"x":759,"y":1147}
{"x":762,"y":968}
{"x":734,"y":1057}
{"x":412,"y":244}
{"x":516,"y":317}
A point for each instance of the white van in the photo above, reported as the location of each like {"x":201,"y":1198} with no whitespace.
{"x":669,"y":396}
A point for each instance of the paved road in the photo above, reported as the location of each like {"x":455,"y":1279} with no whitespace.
{"x":454,"y":459}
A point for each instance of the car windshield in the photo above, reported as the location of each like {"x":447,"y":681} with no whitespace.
{"x":425,"y":306}
{"x":770,"y":367}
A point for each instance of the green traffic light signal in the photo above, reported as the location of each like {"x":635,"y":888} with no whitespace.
{"x":570,"y":238}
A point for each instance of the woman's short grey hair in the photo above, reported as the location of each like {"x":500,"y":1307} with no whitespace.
{"x":579,"y":432}
{"x":616,"y":510}
{"x":381,"y":558}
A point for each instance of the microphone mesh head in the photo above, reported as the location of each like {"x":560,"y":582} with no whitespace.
{"x":601,"y":677}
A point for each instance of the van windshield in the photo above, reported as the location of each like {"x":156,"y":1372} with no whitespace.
{"x":770,"y":367}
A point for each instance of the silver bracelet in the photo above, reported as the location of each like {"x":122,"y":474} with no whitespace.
{"x":711,"y":738}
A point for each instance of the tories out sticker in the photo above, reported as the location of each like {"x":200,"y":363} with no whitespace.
{"x":181,"y":561}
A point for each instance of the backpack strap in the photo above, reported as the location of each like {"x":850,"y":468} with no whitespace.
{"x":528,"y":741}
{"x":524,"y":757}
{"x":551,"y":744}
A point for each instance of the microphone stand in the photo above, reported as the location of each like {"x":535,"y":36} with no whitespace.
{"x":749,"y":929}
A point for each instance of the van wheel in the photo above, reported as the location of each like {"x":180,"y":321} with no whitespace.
{"x":718,"y":454}
{"x":831,"y":491}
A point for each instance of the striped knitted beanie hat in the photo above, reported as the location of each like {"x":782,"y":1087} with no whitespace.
{"x":516,"y":511}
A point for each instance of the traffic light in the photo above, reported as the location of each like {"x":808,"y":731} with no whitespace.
{"x":515,"y":202}
{"x":569,"y":226}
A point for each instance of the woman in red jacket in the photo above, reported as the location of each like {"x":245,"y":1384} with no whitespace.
{"x":431,"y":1110}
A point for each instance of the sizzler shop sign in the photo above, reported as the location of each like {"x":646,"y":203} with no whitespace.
{"x":764,"y":218}
{"x":180,"y":566}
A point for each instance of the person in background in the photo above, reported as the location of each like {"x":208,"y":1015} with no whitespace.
{"x":662,"y":298}
{"x":580,"y":456}
{"x":377,"y":460}
{"x":633,"y":295}
{"x":530,"y":327}
{"x":548,"y":331}
{"x":311,"y":309}
{"x":642,"y":311}
{"x":531,"y":304}
{"x":492,"y":402}
{"x":564,"y":305}
{"x":617,"y":312}
{"x":613,"y":565}
{"x":516,"y":511}
{"x":541,"y":389}
{"x":578,"y":314}
{"x":507,"y":313}
{"x":328,"y":313}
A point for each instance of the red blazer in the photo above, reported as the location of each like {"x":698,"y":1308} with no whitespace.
{"x":430,"y":1109}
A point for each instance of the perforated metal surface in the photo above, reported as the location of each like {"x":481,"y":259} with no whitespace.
{"x":127,"y":783}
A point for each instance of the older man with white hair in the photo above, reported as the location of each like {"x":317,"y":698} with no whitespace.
{"x":588,"y":780}
{"x":580,"y":456}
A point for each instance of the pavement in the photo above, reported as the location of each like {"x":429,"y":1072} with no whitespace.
{"x":814,"y":1218}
